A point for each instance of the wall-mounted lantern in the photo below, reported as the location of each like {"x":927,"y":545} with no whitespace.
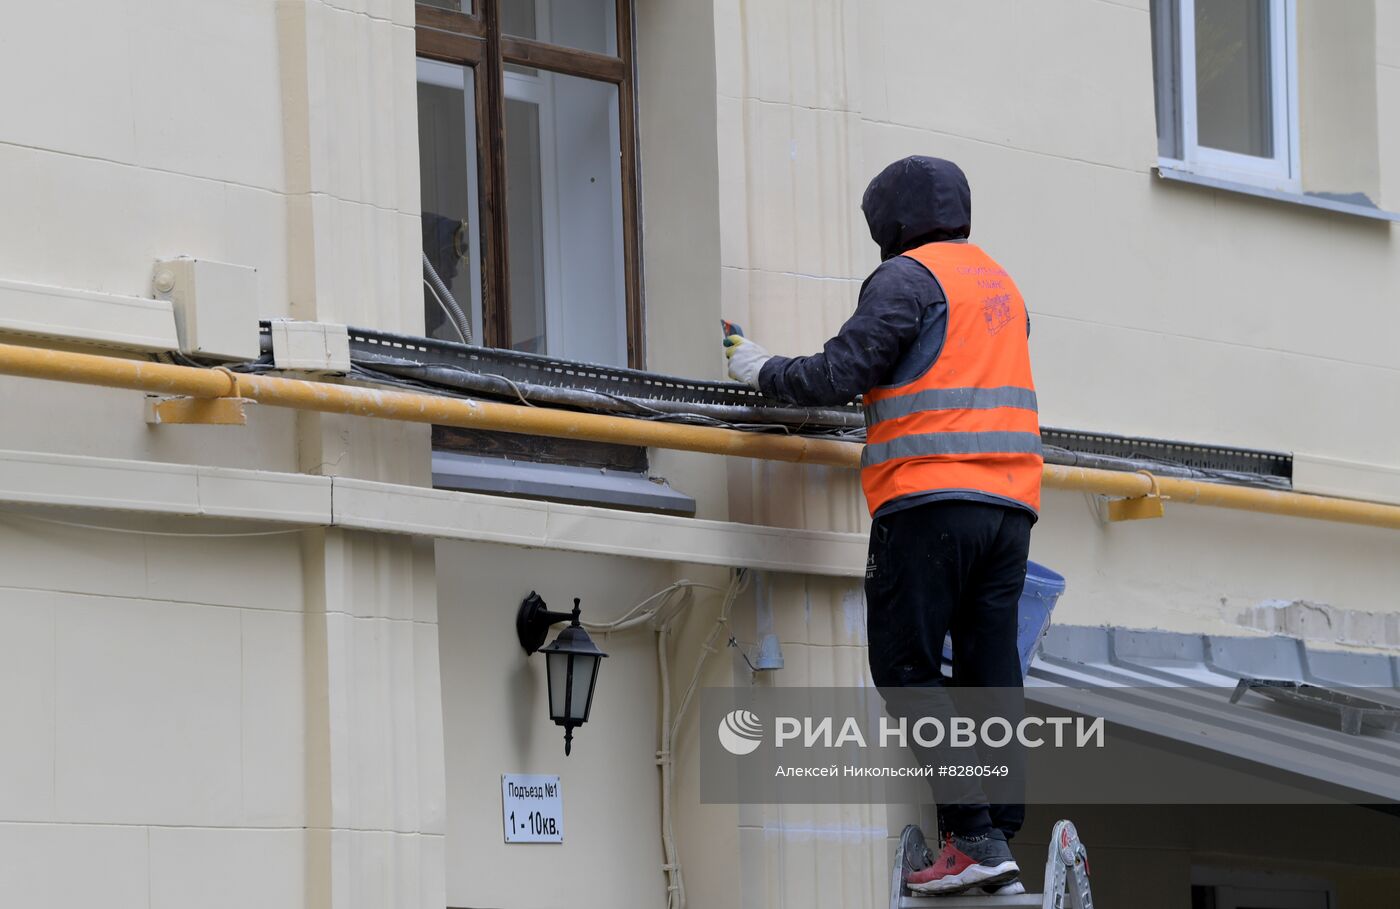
{"x":571,"y":662}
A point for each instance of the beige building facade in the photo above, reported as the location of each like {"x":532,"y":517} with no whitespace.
{"x":271,"y":665}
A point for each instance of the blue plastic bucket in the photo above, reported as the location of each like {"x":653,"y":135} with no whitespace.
{"x":1043,"y":587}
{"x":1038,"y":596}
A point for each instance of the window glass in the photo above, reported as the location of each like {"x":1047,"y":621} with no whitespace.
{"x":564,"y":207}
{"x":589,"y":25}
{"x":448,"y":199}
{"x":1234,"y":92}
{"x":518,"y":18}
{"x":464,"y":6}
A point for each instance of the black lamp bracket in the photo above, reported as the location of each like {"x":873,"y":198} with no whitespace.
{"x":534,"y":619}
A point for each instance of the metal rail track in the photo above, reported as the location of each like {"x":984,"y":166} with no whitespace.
{"x":511,"y":375}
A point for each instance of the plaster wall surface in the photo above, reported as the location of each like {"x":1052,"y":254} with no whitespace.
{"x":156,"y":711}
{"x":496,"y":720}
{"x":320,"y":718}
{"x":1158,"y":310}
{"x":216,"y":720}
{"x":681,"y":236}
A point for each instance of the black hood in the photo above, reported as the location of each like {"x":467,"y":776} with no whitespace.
{"x":917,"y":200}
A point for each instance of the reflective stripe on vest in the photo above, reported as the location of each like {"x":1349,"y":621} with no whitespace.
{"x":949,"y":399}
{"x":969,"y":420}
{"x":951,"y":443}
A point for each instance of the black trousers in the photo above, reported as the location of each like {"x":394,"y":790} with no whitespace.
{"x":950,"y":566}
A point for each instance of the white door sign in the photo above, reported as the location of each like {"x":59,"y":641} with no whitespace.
{"x":532,"y":808}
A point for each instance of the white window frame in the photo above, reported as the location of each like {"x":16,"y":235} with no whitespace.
{"x":1281,"y":172}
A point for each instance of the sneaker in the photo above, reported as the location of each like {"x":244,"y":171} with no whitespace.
{"x":967,"y":862}
{"x":1015,"y":888}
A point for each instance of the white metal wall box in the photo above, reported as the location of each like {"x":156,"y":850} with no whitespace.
{"x":216,"y":306}
{"x":320,"y":347}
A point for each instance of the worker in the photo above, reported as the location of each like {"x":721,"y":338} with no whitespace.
{"x":938,"y":349}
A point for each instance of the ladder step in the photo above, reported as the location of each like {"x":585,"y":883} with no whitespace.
{"x":963,"y":900}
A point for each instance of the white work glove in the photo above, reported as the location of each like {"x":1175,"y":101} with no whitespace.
{"x":746,"y":359}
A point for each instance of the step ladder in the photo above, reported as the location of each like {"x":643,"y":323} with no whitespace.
{"x":1066,"y":878}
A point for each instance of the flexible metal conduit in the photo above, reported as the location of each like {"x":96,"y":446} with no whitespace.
{"x":326,"y":397}
{"x":451,"y":308}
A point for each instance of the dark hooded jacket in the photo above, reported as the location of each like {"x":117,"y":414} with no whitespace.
{"x":914,"y":201}
{"x":901,"y":318}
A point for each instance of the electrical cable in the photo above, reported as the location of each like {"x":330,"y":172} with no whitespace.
{"x":631,"y":618}
{"x":369,"y":374}
{"x":454,"y":312}
{"x":1165,"y":467}
{"x":670,"y":725}
{"x":373,"y":377}
{"x":754,"y":419}
{"x":445,"y":311}
{"x":467,"y":384}
{"x":177,"y":358}
{"x":515,"y":386}
{"x":734,"y":642}
{"x":590,"y":387}
{"x":675,"y":891}
{"x":584,"y":400}
{"x":670,"y":861}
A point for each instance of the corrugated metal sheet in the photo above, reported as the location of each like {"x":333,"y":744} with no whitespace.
{"x":1179,"y":685}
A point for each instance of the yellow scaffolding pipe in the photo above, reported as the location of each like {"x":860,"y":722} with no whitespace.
{"x":327,"y":397}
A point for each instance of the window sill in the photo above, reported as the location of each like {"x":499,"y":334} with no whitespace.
{"x":558,"y":483}
{"x":1310,"y":200}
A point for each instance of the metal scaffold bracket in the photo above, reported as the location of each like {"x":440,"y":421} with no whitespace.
{"x":1139,"y":508}
{"x":198,"y":411}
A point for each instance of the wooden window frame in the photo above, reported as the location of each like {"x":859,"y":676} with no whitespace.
{"x":476,"y":40}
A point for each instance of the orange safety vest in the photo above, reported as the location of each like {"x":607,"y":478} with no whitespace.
{"x":969,"y":422}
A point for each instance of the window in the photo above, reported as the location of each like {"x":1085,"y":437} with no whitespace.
{"x":1227,"y":97}
{"x":527,"y":142}
{"x":527,"y":159}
